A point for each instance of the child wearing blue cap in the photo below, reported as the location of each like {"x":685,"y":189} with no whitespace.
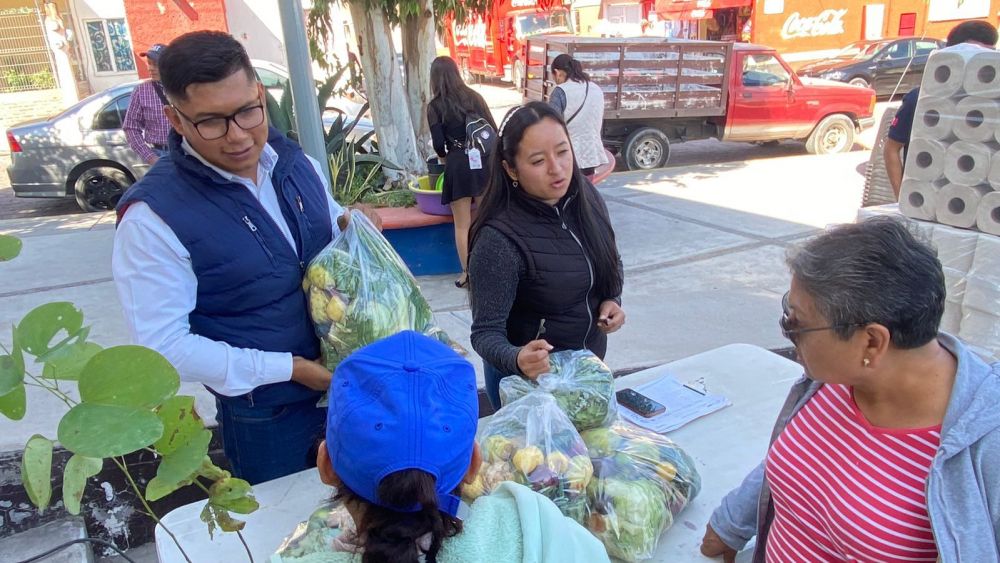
{"x":400,"y":442}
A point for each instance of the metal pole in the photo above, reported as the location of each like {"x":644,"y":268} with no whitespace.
{"x":308,"y":121}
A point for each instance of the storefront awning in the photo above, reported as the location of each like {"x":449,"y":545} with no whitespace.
{"x":695,"y":9}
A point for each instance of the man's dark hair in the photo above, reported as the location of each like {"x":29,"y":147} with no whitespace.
{"x":875,"y":271}
{"x":201,"y":57}
{"x":976,"y":30}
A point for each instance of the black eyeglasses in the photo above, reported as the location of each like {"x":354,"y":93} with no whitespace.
{"x":791,"y":332}
{"x":214,"y":128}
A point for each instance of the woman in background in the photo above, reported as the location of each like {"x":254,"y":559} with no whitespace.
{"x":452,"y":106}
{"x":581,"y":103}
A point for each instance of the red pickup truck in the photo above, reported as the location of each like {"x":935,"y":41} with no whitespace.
{"x":663,"y":91}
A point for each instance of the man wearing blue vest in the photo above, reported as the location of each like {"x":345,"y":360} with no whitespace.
{"x":210,"y":251}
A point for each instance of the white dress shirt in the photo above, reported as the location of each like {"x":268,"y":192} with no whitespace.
{"x":158,"y":290}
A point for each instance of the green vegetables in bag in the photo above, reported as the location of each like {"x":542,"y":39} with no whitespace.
{"x":581,"y":383}
{"x":360,"y":291}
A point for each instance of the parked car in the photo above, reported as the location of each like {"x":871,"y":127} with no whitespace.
{"x":878,"y":64}
{"x":82,"y":152}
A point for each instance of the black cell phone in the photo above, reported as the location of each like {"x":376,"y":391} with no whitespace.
{"x":639,"y":403}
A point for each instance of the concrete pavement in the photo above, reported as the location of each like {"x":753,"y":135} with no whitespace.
{"x":703,"y":248}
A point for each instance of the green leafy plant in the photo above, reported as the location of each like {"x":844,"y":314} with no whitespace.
{"x":126,"y":401}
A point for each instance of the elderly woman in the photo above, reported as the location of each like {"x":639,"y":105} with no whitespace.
{"x":889,"y":448}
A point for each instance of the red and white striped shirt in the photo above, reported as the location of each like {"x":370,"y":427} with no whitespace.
{"x":845,"y":490}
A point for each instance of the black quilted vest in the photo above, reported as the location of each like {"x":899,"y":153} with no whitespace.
{"x":559,"y":283}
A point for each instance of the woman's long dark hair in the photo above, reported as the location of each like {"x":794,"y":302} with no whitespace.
{"x":389,"y":536}
{"x":572,"y":68}
{"x":589,"y":210}
{"x":451,"y":96}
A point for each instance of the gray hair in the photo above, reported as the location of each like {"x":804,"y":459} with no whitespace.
{"x":874,"y":271}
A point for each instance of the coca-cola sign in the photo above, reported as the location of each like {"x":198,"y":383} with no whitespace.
{"x":827,"y":22}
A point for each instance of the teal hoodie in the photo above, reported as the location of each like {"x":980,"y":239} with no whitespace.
{"x":963,"y":488}
{"x":511,"y":524}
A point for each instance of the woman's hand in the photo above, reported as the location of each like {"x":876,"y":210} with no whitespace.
{"x":713,"y":546}
{"x":610,"y":317}
{"x":533,"y":358}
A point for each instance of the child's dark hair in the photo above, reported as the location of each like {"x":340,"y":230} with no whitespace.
{"x":390,"y":536}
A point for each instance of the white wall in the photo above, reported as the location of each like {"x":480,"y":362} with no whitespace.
{"x":257,"y":25}
{"x":97,"y":9}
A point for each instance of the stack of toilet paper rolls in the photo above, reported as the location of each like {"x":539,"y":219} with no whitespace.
{"x":952,"y":169}
{"x":971,"y":263}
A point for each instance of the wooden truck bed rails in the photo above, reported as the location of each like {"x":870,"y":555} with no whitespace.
{"x":646,"y":78}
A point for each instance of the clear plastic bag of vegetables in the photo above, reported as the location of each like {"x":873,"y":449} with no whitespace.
{"x":642,"y":480}
{"x":532,"y":442}
{"x":360,"y":291}
{"x":581,"y":383}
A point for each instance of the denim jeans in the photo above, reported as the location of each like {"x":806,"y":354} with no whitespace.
{"x":493,"y":376}
{"x":264,"y":443}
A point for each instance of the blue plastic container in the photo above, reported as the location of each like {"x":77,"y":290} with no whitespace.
{"x":427,"y":251}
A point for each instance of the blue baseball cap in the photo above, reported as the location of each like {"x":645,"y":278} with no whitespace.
{"x":154,"y":52}
{"x":405,"y":402}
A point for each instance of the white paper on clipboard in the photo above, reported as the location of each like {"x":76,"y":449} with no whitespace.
{"x":683,"y":404}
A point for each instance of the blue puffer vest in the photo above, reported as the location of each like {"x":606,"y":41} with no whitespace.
{"x":249,"y":278}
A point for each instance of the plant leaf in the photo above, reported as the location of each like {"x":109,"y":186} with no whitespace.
{"x":10,"y":247}
{"x":67,"y":362}
{"x":131,"y":376}
{"x":78,"y":469}
{"x":11,"y":375}
{"x":180,"y":423}
{"x":233,"y":494}
{"x":13,"y":405}
{"x":180,"y":467}
{"x":36,"y":470}
{"x":37,"y":329}
{"x":208,"y":517}
{"x":96,"y":430}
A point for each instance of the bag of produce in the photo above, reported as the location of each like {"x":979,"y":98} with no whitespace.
{"x":531,"y":442}
{"x":642,"y":480}
{"x":581,"y":383}
{"x":360,"y":291}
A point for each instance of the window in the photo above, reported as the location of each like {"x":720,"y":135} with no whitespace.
{"x":270,"y":79}
{"x":764,"y":70}
{"x":624,"y":13}
{"x":899,"y":50}
{"x":112,"y":115}
{"x":925,"y":47}
{"x":110,"y":45}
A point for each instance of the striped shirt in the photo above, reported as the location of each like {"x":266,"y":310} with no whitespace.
{"x":145,"y":124}
{"x":845,"y":490}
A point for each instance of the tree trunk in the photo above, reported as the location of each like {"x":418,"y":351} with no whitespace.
{"x":385,"y":91}
{"x":419,"y":50}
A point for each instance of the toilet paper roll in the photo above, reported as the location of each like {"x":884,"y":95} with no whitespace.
{"x":967,"y":163}
{"x":951,"y":320}
{"x":988,"y":215}
{"x":994,"y":176}
{"x":977,"y":119}
{"x":934,"y":119}
{"x":918,"y":199}
{"x":956,"y":247}
{"x":981,"y":331}
{"x":958,"y":205}
{"x":982,"y":75}
{"x":980,"y":293}
{"x":925,"y":160}
{"x":944,"y":74}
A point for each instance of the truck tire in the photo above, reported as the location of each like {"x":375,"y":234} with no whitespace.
{"x":646,"y":148}
{"x":834,"y":134}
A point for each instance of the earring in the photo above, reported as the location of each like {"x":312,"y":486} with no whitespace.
{"x":515,"y":183}
{"x":866,"y":362}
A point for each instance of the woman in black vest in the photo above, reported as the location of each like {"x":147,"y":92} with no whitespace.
{"x":545,"y":270}
{"x":448,"y":112}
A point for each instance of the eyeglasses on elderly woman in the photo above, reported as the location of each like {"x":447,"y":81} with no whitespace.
{"x":789,"y":329}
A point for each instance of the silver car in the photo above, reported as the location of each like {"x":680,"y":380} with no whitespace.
{"x":82,"y":152}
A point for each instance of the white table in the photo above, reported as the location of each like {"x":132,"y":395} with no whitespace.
{"x":725,"y":445}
